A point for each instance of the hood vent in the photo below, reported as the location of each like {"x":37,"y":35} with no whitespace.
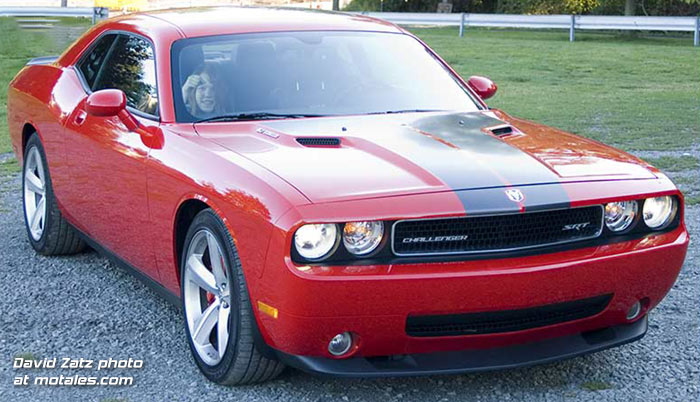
{"x":501,"y":130}
{"x":319,"y":141}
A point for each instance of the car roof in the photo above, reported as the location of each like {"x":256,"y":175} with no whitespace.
{"x":205,"y":21}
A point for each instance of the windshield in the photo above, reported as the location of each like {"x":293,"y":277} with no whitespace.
{"x":297,"y":74}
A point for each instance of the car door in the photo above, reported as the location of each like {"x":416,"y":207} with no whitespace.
{"x":106,"y":162}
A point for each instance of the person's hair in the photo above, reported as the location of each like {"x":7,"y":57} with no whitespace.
{"x":219,"y":89}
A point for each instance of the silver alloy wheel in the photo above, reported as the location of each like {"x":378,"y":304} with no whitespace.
{"x":207,"y":297}
{"x":35,"y":193}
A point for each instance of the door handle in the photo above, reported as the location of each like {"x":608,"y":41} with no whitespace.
{"x":80,"y":118}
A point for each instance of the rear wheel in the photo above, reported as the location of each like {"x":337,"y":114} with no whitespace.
{"x":218,"y":315}
{"x":49,"y":233}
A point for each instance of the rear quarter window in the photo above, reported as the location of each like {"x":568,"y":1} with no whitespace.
{"x":90,"y":65}
{"x":130,"y":66}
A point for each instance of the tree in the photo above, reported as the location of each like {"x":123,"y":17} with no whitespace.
{"x":598,"y":7}
{"x":546,"y":6}
{"x":336,"y":5}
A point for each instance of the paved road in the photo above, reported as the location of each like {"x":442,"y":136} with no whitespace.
{"x":83,"y":306}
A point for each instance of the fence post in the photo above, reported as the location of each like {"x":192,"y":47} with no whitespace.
{"x":461,"y":25}
{"x":99,"y":14}
{"x":696,"y":39}
{"x":572,"y":34}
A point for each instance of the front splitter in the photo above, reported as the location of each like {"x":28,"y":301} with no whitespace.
{"x":474,"y":360}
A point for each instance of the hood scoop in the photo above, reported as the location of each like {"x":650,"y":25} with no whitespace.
{"x":501,"y":131}
{"x":390,"y":157}
{"x":319,"y":141}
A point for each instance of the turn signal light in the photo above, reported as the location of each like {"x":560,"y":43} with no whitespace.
{"x":267,"y":309}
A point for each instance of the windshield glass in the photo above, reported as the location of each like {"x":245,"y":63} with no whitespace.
{"x":268,"y":75}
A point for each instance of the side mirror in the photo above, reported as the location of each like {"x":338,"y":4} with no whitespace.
{"x":106,"y":103}
{"x":112,"y":102}
{"x":483,"y":86}
{"x":109,"y":103}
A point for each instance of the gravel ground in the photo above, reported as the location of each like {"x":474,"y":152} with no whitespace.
{"x":83,"y":306}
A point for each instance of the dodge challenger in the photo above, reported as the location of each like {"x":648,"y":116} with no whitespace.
{"x":322,"y":191}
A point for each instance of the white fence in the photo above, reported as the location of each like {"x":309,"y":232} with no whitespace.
{"x":96,"y":13}
{"x":463,"y":20}
{"x":570,"y":22}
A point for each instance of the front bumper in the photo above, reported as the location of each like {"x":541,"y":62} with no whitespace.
{"x":465,"y":361}
{"x":374,"y":302}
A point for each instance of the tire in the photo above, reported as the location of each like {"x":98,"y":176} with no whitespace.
{"x":48,"y":232}
{"x":201,"y":289}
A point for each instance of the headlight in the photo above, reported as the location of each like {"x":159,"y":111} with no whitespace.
{"x":620,"y":215}
{"x":362,"y":238}
{"x":316,"y":241}
{"x":658,"y":212}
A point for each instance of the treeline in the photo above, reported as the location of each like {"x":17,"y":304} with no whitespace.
{"x":598,"y":7}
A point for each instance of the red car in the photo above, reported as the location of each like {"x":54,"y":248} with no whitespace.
{"x":323,"y":191}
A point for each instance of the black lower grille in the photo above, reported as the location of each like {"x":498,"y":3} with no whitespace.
{"x":494,"y":233}
{"x":505,"y":321}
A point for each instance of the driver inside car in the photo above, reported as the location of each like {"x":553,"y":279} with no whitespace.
{"x":203,"y":92}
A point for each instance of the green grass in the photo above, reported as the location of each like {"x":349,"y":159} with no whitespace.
{"x":672,"y":164}
{"x":692,"y":200}
{"x":16,"y":48}
{"x":634,"y":93}
{"x":26,"y":356}
{"x":638,"y":94}
{"x":9,"y":167}
{"x":690,"y":187}
{"x":596,"y":386}
{"x":685,"y":180}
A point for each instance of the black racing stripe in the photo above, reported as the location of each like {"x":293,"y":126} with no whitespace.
{"x":541,"y":197}
{"x":455,"y":165}
{"x":453,"y":148}
{"x":487,"y":201}
{"x":494,"y":200}
{"x":507,"y":162}
{"x":497,"y":162}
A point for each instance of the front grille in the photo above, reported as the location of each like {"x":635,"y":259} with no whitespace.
{"x":494,"y":233}
{"x":505,"y":321}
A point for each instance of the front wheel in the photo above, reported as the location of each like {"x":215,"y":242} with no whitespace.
{"x":48,"y":231}
{"x":218,"y":316}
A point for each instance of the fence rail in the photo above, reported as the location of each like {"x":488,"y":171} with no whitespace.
{"x":463,"y":20}
{"x":96,"y":13}
{"x":570,"y":22}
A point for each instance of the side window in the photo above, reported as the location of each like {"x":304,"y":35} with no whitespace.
{"x":91,"y":63}
{"x":130,"y":66}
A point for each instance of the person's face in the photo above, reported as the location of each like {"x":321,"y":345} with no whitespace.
{"x":204,"y":95}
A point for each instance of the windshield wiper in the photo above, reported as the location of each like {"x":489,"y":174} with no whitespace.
{"x":257,"y":116}
{"x":407,"y":111}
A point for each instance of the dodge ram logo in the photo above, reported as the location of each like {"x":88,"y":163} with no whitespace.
{"x":515,"y":195}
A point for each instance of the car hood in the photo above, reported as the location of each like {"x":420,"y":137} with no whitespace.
{"x":386,"y":155}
